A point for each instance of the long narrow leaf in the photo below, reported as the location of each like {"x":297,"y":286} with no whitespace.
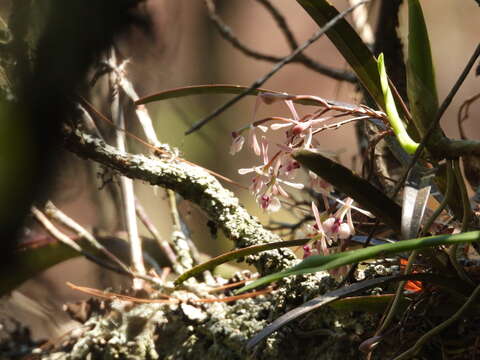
{"x":350,"y":45}
{"x":343,"y":292}
{"x":421,"y":88}
{"x":317,"y":263}
{"x":255,"y":249}
{"x":226,"y":89}
{"x":32,"y":261}
{"x":368,"y":196}
{"x":236,"y":254}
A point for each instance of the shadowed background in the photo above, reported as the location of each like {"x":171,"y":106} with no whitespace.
{"x":187,"y":50}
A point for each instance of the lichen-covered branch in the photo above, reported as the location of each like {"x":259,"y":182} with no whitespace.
{"x":193,"y":183}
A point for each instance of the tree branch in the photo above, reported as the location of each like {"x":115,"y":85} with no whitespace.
{"x":194,"y":184}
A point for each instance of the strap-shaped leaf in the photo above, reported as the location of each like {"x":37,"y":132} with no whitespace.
{"x":335,"y":295}
{"x":343,"y":179}
{"x":209,"y":89}
{"x":317,"y":263}
{"x":211,"y":264}
{"x":33,"y":261}
{"x":350,"y":45}
{"x":421,"y":87}
{"x":35,"y":257}
{"x":236,"y":254}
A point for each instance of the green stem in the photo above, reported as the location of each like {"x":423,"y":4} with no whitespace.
{"x":452,"y":252}
{"x":394,"y":119}
{"x":444,"y":203}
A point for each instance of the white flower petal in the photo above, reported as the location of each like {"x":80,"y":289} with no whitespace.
{"x":274,"y":205}
{"x":292,"y":184}
{"x":246,"y":171}
{"x":277,"y":126}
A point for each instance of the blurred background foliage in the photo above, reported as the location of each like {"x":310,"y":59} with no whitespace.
{"x":186,"y":49}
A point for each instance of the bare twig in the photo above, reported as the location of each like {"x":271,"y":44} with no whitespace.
{"x":162,"y":243}
{"x":259,"y":82}
{"x":141,"y":111}
{"x":88,"y":122}
{"x":227,"y":33}
{"x":60,"y":236}
{"x":463,"y":114}
{"x":65,"y":239}
{"x":126,"y":184}
{"x":56,"y":214}
{"x":52,"y":230}
{"x":179,"y":239}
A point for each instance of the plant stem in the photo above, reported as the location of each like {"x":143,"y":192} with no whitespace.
{"x":436,"y":330}
{"x":452,"y":252}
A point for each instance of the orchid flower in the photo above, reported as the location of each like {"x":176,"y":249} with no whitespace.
{"x":335,"y":227}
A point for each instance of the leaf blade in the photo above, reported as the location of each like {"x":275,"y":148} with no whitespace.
{"x":421,"y":86}
{"x":317,"y":263}
{"x":332,"y":296}
{"x":235,"y":254}
{"x":357,"y":188}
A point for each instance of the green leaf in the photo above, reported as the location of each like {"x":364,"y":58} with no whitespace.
{"x":236,"y":254}
{"x":396,"y":122}
{"x":222,"y":89}
{"x":317,"y":263}
{"x":350,"y":45}
{"x":37,"y":256}
{"x":34,"y":260}
{"x":334,"y":296}
{"x":421,"y":87}
{"x":368,"y":303}
{"x":368,"y":196}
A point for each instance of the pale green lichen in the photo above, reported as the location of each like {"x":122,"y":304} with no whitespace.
{"x":195,"y":184}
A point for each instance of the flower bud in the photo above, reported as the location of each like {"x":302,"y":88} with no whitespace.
{"x":344,"y":231}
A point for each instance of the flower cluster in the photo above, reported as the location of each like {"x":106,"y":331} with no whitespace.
{"x":280,"y":169}
{"x":330,"y":229}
